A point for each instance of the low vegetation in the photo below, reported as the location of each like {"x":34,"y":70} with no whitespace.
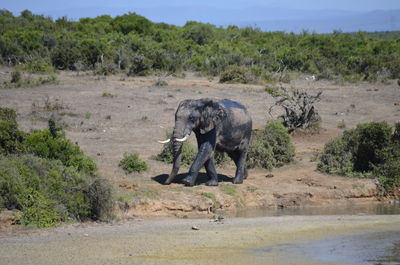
{"x":270,"y":147}
{"x":17,"y":80}
{"x":167,"y":153}
{"x":299,"y":107}
{"x":132,"y":44}
{"x":48,"y":178}
{"x":371,"y":150}
{"x":189,"y":153}
{"x":132,"y":163}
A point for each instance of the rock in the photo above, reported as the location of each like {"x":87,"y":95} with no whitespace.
{"x":218,"y":218}
{"x":195,"y":228}
{"x":269,"y":176}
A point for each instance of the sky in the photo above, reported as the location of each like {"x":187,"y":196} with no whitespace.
{"x":39,"y":6}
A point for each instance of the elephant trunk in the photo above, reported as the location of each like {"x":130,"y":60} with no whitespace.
{"x":177,"y":151}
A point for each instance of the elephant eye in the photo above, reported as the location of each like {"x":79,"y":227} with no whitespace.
{"x":192,"y":118}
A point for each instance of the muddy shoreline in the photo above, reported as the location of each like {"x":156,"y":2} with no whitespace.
{"x":164,"y":240}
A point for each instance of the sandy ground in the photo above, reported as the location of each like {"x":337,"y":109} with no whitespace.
{"x":136,"y":117}
{"x":265,"y":240}
{"x":138,"y":113}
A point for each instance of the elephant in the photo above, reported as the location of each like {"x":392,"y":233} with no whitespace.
{"x":223,"y":125}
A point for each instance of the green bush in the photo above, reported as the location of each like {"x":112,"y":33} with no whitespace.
{"x":236,"y":74}
{"x":38,"y":65}
{"x":11,"y":139}
{"x":270,"y":147}
{"x":140,"y":65}
{"x":132,"y":163}
{"x":48,"y":178}
{"x":336,"y":159}
{"x":189,"y":153}
{"x":388,"y":175}
{"x":370,"y":150}
{"x":201,"y":47}
{"x":47,"y":192}
{"x":368,"y":144}
{"x":15,"y":77}
{"x":43,"y":144}
{"x":167,"y":153}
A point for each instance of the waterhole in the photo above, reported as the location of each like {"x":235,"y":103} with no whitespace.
{"x":365,"y":208}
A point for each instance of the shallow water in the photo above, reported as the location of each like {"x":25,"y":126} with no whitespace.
{"x":370,"y":208}
{"x":368,"y":248}
{"x":373,"y":246}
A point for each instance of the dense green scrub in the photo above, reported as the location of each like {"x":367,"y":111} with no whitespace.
{"x":369,"y":150}
{"x":137,"y":46}
{"x":47,"y":177}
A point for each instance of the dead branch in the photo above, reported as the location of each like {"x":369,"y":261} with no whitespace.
{"x":298,"y":106}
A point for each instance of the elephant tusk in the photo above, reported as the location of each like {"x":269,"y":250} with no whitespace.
{"x":165,"y":141}
{"x":182,"y":139}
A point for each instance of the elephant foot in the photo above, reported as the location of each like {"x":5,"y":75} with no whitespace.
{"x":188,"y":181}
{"x":212,"y":182}
{"x":237,"y":180}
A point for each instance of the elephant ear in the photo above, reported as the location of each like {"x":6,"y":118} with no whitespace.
{"x":211,"y":115}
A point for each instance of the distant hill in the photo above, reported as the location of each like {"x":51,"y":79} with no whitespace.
{"x":347,"y":22}
{"x":267,"y":19}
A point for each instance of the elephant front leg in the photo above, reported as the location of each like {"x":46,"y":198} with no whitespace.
{"x":204,"y":154}
{"x":211,"y":172}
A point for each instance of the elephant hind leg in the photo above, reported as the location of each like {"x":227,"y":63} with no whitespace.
{"x":239,"y":157}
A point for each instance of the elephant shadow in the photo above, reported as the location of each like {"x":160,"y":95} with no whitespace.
{"x":202,"y":178}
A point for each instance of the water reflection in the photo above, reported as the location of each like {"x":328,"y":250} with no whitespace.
{"x":371,"y":248}
{"x":370,"y":208}
{"x":393,"y":256}
{"x":381,"y":248}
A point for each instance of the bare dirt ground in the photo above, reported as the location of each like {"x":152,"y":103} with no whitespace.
{"x":138,"y":113}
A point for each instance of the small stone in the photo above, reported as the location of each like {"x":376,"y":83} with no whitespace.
{"x":86,"y":234}
{"x":269,"y":176}
{"x":299,"y":179}
{"x":195,"y":228}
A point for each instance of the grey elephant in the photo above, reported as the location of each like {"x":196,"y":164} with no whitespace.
{"x":223,"y":125}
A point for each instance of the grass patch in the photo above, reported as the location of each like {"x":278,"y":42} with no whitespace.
{"x":209,"y":195}
{"x":48,"y":105}
{"x":145,"y":193}
{"x":251,"y":188}
{"x":108,"y":95}
{"x":17,"y":80}
{"x":228,"y":189}
{"x":69,"y":114}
